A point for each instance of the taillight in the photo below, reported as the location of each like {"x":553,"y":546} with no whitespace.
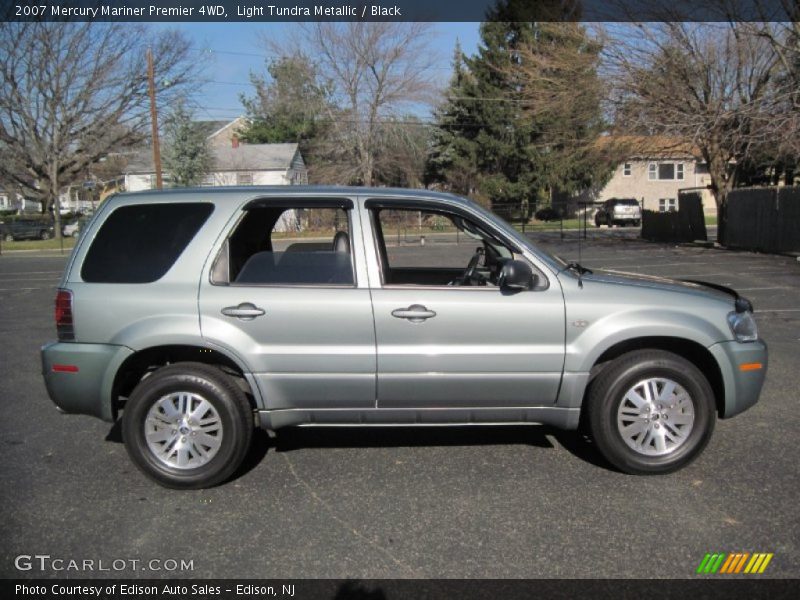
{"x":64,"y":327}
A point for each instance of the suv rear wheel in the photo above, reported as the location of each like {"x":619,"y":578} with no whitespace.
{"x":187,"y":426}
{"x":44,"y":235}
{"x":651,"y":412}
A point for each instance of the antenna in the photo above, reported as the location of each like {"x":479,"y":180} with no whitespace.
{"x":580,"y":235}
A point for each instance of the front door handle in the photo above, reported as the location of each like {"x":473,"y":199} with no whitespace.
{"x":246,"y":311}
{"x":416,"y":313}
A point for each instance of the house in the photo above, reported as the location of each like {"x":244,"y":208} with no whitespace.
{"x":221,"y":133}
{"x":654,"y":170}
{"x":14,"y":201}
{"x":235,"y":164}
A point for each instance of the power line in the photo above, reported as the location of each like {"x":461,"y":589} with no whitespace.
{"x":273,"y":55}
{"x":475,"y":98}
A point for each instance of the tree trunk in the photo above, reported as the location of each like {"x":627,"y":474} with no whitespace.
{"x":53,"y":200}
{"x":721,"y":184}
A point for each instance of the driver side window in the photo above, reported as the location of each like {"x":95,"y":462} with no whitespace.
{"x":432,"y":248}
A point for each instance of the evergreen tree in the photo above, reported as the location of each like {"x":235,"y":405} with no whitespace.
{"x":292,"y":105}
{"x":187,"y":155}
{"x":483,"y":144}
{"x":490,"y":142}
{"x":452,"y":156}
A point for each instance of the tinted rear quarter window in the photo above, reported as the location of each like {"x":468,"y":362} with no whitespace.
{"x":140,"y":243}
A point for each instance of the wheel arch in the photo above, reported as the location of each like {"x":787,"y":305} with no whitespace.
{"x":145,"y":360}
{"x":694,"y":352}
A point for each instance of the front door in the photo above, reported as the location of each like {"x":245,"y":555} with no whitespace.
{"x":447,"y":337}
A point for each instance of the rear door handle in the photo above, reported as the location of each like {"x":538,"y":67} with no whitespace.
{"x":416,"y":313}
{"x":246,"y":311}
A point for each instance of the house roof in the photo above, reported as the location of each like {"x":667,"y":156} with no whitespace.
{"x":649,"y":146}
{"x":209,"y":128}
{"x":246,"y":157}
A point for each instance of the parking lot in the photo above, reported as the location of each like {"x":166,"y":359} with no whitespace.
{"x":520,"y":502}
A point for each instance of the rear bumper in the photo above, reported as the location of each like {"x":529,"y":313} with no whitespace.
{"x":742,"y":387}
{"x":80,"y":377}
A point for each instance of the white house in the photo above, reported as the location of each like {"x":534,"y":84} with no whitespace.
{"x":237,"y":164}
{"x":655,"y":169}
{"x":17,"y":202}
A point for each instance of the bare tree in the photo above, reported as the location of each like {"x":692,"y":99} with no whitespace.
{"x":717,"y":85}
{"x":375,"y":72}
{"x":72,"y":92}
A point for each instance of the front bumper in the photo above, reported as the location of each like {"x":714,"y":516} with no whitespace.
{"x":742,"y":387}
{"x":80,"y":377}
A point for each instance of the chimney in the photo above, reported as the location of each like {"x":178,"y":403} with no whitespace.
{"x":235,"y":141}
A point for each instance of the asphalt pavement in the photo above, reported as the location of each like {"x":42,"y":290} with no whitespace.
{"x":465,"y":502}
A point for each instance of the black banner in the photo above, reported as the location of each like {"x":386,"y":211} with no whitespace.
{"x":397,"y":589}
{"x":221,"y":11}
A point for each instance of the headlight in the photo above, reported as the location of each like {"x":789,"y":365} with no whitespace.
{"x":743,"y":326}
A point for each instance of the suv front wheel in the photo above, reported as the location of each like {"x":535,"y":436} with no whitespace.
{"x":651,"y":412}
{"x":187,"y":426}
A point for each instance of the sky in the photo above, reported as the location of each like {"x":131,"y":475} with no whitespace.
{"x":234,"y":50}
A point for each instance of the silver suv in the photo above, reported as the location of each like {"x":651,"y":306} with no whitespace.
{"x":619,"y":211}
{"x":199,"y":313}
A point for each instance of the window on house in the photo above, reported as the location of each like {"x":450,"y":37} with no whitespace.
{"x":244,"y":179}
{"x":626,"y":170}
{"x":665,"y":171}
{"x":667,"y":204}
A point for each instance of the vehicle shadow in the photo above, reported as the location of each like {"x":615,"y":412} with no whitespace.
{"x":576,"y":443}
{"x":291,"y":439}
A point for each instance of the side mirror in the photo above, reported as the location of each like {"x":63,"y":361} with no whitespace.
{"x":516,"y":276}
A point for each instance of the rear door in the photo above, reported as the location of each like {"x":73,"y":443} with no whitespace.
{"x":287,"y":293}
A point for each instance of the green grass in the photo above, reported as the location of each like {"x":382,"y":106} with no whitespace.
{"x":37,"y":245}
{"x":711,"y":220}
{"x":541,"y":225}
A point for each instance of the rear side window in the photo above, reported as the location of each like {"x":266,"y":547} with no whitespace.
{"x":304,"y":245}
{"x":139,"y":243}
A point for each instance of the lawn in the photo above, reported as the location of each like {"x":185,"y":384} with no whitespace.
{"x":37,"y":245}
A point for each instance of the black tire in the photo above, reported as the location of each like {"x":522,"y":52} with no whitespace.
{"x":219,"y":390}
{"x":9,"y":237}
{"x":608,"y":391}
{"x":597,"y":221}
{"x":44,"y":235}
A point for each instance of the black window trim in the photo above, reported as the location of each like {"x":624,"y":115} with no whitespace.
{"x":299,"y":202}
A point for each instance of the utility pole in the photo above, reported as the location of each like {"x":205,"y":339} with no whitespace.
{"x":154,"y":118}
